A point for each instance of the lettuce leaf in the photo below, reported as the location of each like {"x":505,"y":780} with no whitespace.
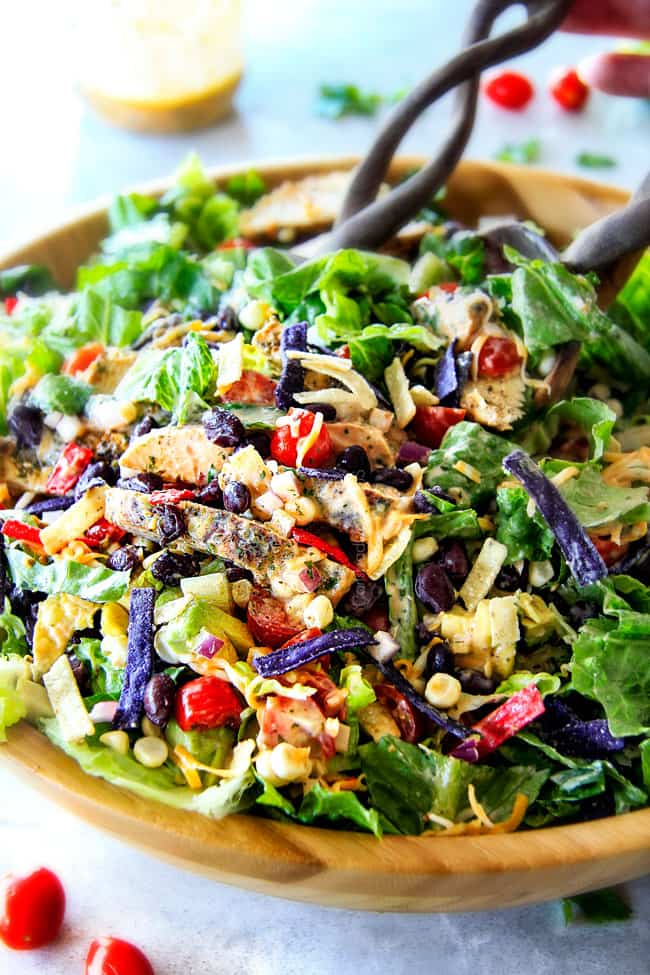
{"x":463,"y":251}
{"x":632,"y":306}
{"x":95,"y":583}
{"x":321,"y":806}
{"x":595,"y":502}
{"x":31,"y":279}
{"x":611,"y":664}
{"x":176,"y":378}
{"x":524,"y":537}
{"x":105,"y":679}
{"x":592,"y":415}
{"x":13,"y":639}
{"x":372,"y":349}
{"x":12,"y":706}
{"x":470,"y":443}
{"x":60,"y":394}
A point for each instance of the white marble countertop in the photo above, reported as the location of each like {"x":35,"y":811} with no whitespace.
{"x":55,"y":154}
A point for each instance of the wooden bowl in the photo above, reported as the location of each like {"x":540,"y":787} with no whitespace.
{"x":330,"y":867}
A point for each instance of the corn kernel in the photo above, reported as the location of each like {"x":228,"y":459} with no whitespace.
{"x":114,"y":620}
{"x":424,"y":549}
{"x":241,"y":592}
{"x":117,"y":740}
{"x":149,"y":729}
{"x":283,"y":764}
{"x":304,"y":510}
{"x":442,"y":691}
{"x":320,"y":612}
{"x":151,"y":752}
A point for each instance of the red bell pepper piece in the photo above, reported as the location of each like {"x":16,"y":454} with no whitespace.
{"x":102,"y":531}
{"x":22,"y":532}
{"x":207,"y":702}
{"x":448,"y":286}
{"x":171,"y":496}
{"x":333,"y":551}
{"x":10,"y":304}
{"x":72,"y":462}
{"x":82,"y":358}
{"x":501,"y":724}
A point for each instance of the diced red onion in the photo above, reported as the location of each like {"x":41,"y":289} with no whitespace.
{"x":411,"y":452}
{"x":103,"y":712}
{"x":210,"y":646}
{"x":310,"y":578}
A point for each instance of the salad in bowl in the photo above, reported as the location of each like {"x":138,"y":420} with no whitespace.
{"x":358,"y":540}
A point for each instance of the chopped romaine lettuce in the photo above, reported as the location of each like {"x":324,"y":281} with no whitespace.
{"x":592,"y":415}
{"x":60,"y":394}
{"x":524,"y":536}
{"x":471,"y":445}
{"x":95,"y":583}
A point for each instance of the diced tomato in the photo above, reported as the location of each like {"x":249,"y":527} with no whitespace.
{"x":253,"y":387}
{"x":309,"y":634}
{"x":21,"y":532}
{"x":330,"y":697}
{"x":235,"y":242}
{"x":448,"y":286}
{"x":498,"y":357}
{"x":171,"y":496}
{"x":112,"y":956}
{"x":405,"y":716}
{"x":609,"y":551}
{"x":430,"y":423}
{"x":343,"y":352}
{"x":267,"y":619}
{"x":82,"y":358}
{"x":509,"y":89}
{"x":207,"y":702}
{"x":72,"y":462}
{"x":284,"y":445}
{"x":31,"y":909}
{"x":10,"y":305}
{"x":501,"y":724}
{"x":333,"y":551}
{"x":568,"y":89}
{"x":103,"y":531}
{"x":297,"y":722}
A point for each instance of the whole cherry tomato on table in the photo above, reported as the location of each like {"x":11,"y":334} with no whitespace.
{"x":112,"y":956}
{"x":498,"y":357}
{"x":568,"y":89}
{"x":509,"y":89}
{"x":31,"y":909}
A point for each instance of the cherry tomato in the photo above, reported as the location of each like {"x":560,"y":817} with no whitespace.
{"x":285,"y":719}
{"x":407,"y":719}
{"x":253,"y":387}
{"x":509,"y":89}
{"x":430,"y":423}
{"x":31,"y":909}
{"x":267,"y":619}
{"x":103,"y":531}
{"x":236,"y":242}
{"x":10,"y":305}
{"x":448,"y":286}
{"x":568,"y":90}
{"x":329,"y":697}
{"x":284,"y":444}
{"x":207,"y":702}
{"x":609,"y":551}
{"x":498,"y":357}
{"x":112,"y":956}
{"x":82,"y":358}
{"x":343,"y":352}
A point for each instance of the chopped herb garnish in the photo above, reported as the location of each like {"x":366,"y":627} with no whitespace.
{"x":336,"y":100}
{"x":520,"y":152}
{"x":593,"y":160}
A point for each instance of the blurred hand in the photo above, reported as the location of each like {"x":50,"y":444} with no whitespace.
{"x":616,"y":73}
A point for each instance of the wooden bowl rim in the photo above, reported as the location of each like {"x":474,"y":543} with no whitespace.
{"x":29,"y":751}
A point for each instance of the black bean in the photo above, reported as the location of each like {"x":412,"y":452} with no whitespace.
{"x":170,"y":567}
{"x":236,"y":497}
{"x":354,"y":460}
{"x":81,"y":673}
{"x":260,"y":440}
{"x":145,"y":483}
{"x":509,"y":579}
{"x":433,"y":588}
{"x":143,"y":426}
{"x":123,"y":558}
{"x":452,"y":557}
{"x":440,"y":660}
{"x":211,"y":494}
{"x":361,"y":597}
{"x":26,"y":424}
{"x":328,"y":411}
{"x":474,"y":682}
{"x":236,"y":573}
{"x":223,"y":428}
{"x":171,"y":523}
{"x":159,"y":696}
{"x":393,"y":477}
{"x":227,"y":319}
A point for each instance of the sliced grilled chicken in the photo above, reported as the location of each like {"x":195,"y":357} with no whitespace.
{"x":176,"y":453}
{"x":496,"y":403}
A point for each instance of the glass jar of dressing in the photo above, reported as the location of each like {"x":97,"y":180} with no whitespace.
{"x":159,"y":65}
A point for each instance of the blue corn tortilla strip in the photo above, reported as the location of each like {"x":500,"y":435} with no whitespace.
{"x":298,"y":654}
{"x":292,"y":380}
{"x":452,"y":372}
{"x":582,"y":557}
{"x":139,"y":659}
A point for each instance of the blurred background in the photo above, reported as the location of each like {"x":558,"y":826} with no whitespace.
{"x":56,"y":152}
